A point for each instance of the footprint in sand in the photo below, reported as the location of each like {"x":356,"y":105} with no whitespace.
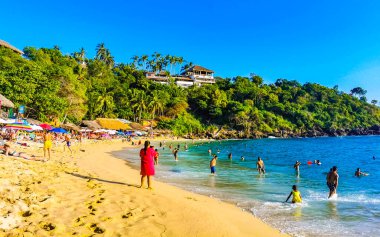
{"x":47,"y":226}
{"x":94,"y":227}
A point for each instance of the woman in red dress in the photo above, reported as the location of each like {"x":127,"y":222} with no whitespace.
{"x":147,"y":163}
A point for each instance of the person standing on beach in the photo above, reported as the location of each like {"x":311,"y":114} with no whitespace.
{"x":147,"y":164}
{"x":47,"y":144}
{"x":213,"y":164}
{"x":260,"y":165}
{"x":332,"y":180}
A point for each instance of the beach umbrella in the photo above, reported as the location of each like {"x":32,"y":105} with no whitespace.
{"x":19,"y":126}
{"x":46,"y":126}
{"x":58,"y":130}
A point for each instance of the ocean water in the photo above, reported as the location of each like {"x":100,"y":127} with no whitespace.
{"x":355,"y":212}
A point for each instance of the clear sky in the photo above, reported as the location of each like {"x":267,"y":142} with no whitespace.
{"x":327,"y":42}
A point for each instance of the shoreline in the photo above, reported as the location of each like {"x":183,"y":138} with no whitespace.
{"x":230,"y":208}
{"x":94,"y":192}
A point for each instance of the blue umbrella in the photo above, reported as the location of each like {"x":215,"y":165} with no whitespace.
{"x":58,"y":130}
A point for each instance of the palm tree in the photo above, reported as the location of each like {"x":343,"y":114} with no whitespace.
{"x":140,"y":103}
{"x":156,"y":104}
{"x":144,"y":59}
{"x":109,"y":60}
{"x":135,"y":60}
{"x":187,"y":66}
{"x":179,"y":61}
{"x":105,"y":104}
{"x":100,"y":52}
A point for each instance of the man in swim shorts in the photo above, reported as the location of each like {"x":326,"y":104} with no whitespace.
{"x":213,"y":164}
{"x":260,"y":165}
{"x":332,"y":180}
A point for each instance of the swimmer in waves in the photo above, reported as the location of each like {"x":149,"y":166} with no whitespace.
{"x":358,"y":173}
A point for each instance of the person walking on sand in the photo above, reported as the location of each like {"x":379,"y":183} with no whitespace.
{"x":67,"y":141}
{"x":147,"y":164}
{"x":296,"y":195}
{"x":332,"y":180}
{"x":47,"y":144}
{"x":213,"y":164}
{"x":260,"y":165}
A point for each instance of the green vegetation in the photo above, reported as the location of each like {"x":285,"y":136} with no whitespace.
{"x":73,"y":87}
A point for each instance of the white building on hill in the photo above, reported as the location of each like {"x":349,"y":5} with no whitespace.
{"x":195,"y":75}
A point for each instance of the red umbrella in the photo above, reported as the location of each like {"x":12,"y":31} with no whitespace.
{"x":46,"y":126}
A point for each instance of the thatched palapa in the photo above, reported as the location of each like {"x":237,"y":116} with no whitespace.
{"x":70,"y":126}
{"x":5,"y":102}
{"x":112,"y":124}
{"x":9,"y":46}
{"x":91,"y":124}
{"x":136,"y":126}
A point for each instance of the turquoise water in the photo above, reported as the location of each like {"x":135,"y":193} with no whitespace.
{"x":355,"y":212}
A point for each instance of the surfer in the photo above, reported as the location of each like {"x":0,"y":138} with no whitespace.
{"x":332,"y":180}
{"x":296,"y":195}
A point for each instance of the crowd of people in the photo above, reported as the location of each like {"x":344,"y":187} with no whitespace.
{"x":149,"y":158}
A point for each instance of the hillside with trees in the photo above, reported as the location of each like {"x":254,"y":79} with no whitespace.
{"x":74,"y":87}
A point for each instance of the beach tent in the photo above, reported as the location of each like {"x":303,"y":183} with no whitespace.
{"x":58,"y":130}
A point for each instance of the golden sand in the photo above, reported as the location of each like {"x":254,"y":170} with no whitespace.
{"x":92,"y":193}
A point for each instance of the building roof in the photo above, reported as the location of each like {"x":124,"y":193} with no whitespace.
{"x":5,"y":102}
{"x":7,"y":45}
{"x":199,"y":68}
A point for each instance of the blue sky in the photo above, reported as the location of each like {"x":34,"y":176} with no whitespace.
{"x":327,"y":42}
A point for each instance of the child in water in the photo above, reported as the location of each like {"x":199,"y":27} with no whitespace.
{"x":296,"y":195}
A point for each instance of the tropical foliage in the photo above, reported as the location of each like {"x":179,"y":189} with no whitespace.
{"x":73,"y":87}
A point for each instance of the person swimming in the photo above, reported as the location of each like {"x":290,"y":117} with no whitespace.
{"x":358,"y":173}
{"x":242,"y":158}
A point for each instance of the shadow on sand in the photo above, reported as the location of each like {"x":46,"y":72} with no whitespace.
{"x":101,"y":180}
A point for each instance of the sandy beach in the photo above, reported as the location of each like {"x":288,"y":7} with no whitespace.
{"x":91,"y":192}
